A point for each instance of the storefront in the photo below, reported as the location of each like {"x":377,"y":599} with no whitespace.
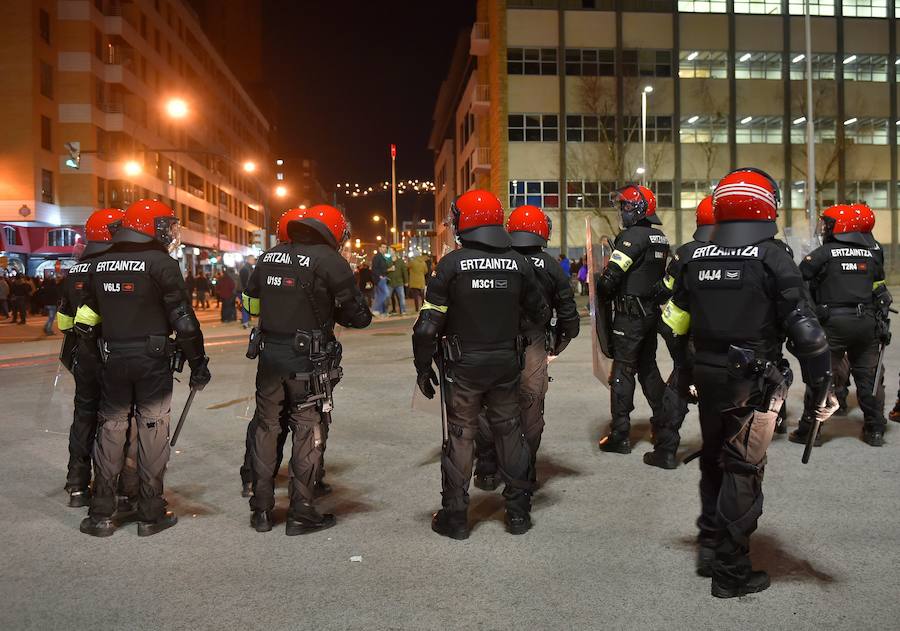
{"x":38,"y":250}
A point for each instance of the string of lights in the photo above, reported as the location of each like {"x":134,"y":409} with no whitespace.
{"x":416,"y":187}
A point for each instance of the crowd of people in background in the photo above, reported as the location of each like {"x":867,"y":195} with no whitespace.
{"x":392,"y":278}
{"x":21,"y":296}
{"x":225,"y":287}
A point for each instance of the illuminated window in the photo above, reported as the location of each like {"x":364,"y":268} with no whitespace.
{"x":824,"y":130}
{"x":823,"y":66}
{"x":531,"y":61}
{"x":826,"y":194}
{"x":10,"y":235}
{"x":279,"y":176}
{"x":703,"y":64}
{"x":867,"y":131}
{"x":758,"y":130}
{"x":586,"y":194}
{"x":704,"y":129}
{"x":543,"y":194}
{"x":533,"y":127}
{"x":766,"y":7}
{"x":695,"y":191}
{"x":816,"y":7}
{"x":61,"y":237}
{"x":865,"y":68}
{"x":46,"y":186}
{"x":692,"y":6}
{"x":872,"y":193}
{"x":757,"y":65}
{"x":659,"y":128}
{"x":865,"y":8}
{"x":590,"y":62}
{"x":590,"y":128}
{"x":647,"y":63}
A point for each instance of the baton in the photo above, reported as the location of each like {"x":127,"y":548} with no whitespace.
{"x":692,"y":457}
{"x":184,"y":412}
{"x":879,"y":373}
{"x":445,"y":434}
{"x":811,"y":437}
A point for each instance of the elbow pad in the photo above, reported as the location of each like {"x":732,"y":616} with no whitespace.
{"x":426,"y":331}
{"x":883,"y":298}
{"x":809,"y":344}
{"x":354,"y":314}
{"x":187,"y":332}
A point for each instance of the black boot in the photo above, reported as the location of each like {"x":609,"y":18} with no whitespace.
{"x":126,"y":511}
{"x":247,"y":489}
{"x":453,"y":524}
{"x":661,"y":459}
{"x":97,"y":526}
{"x":487,"y":481}
{"x":79,"y":498}
{"x":800,"y":434}
{"x":615,"y":443}
{"x":517,"y":523}
{"x":873,"y":436}
{"x":305,"y":519}
{"x":149,"y":528}
{"x":755,"y":582}
{"x":895,"y":413}
{"x":261,"y":521}
{"x":705,"y":558}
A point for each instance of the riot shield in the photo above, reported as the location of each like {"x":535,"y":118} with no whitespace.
{"x":598,"y":252}
{"x":53,"y":408}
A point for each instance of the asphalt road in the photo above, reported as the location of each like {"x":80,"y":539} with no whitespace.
{"x":612,"y":545}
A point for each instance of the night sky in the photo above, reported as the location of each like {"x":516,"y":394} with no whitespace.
{"x":352,"y":77}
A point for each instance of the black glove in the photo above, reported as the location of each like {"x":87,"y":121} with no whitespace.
{"x":200,"y":374}
{"x":562,"y":340}
{"x":425,"y":380}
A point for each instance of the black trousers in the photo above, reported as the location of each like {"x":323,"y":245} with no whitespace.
{"x":533,"y":384}
{"x":667,"y":424}
{"x":854,"y":348}
{"x":247,"y":466}
{"x":133,"y":379}
{"x":277,"y":389}
{"x":732,"y":463}
{"x":634,"y":353}
{"x":86,"y":369}
{"x":488,"y":383}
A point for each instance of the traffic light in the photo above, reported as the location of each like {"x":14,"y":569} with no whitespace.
{"x":74,"y":159}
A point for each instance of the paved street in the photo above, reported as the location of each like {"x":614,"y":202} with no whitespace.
{"x":611,"y":547}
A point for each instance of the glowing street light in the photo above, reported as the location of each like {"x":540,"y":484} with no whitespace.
{"x":177,"y":108}
{"x":376,"y":218}
{"x":132,"y":168}
{"x":378,"y":238}
{"x":249,"y":166}
{"x":281,"y":191}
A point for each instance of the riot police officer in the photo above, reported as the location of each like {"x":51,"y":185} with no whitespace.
{"x":676,"y":395}
{"x":470,"y":324}
{"x":529,"y":230}
{"x":630,"y":284}
{"x":846,"y":282}
{"x":82,"y":357}
{"x":737,"y":297}
{"x":137,"y":291}
{"x":300,"y":289}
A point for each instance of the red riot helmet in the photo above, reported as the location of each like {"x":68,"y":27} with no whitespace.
{"x":154,"y":219}
{"x":867,"y":215}
{"x":102,"y":224}
{"x":528,"y":226}
{"x":746,"y":205}
{"x":634,"y":203}
{"x":706,"y":219}
{"x":847,"y":224}
{"x":288,"y":216}
{"x":326,"y":221}
{"x":478,"y":216}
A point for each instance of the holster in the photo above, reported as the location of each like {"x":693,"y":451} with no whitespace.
{"x":67,"y":350}
{"x":823,"y":313}
{"x":521,"y":345}
{"x":451,"y":348}
{"x":255,"y":343}
{"x":303,"y":342}
{"x":773,"y":379}
{"x":176,"y":360}
{"x":631,"y":305}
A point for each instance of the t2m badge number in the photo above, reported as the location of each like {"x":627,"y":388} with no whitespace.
{"x":489,"y":283}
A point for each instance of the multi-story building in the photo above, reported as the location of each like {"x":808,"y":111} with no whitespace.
{"x":543,"y":106}
{"x":100,"y":73}
{"x":300,"y":178}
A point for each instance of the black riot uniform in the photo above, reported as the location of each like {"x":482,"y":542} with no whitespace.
{"x":138,"y":293}
{"x":846,"y":281}
{"x":300,"y":289}
{"x":737,"y":298}
{"x":631,"y":282}
{"x":82,"y":356}
{"x":541,"y":340}
{"x":473,"y":306}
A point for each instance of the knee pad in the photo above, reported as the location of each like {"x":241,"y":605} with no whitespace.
{"x":462,"y":432}
{"x":507,"y":427}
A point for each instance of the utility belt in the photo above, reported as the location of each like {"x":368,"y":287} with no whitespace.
{"x":773,"y":377}
{"x":823,"y":312}
{"x":312,"y":344}
{"x":151,"y":346}
{"x":453,"y":349}
{"x":635,"y":306}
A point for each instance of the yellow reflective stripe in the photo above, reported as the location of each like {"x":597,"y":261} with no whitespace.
{"x":621,"y":259}
{"x":64,"y":321}
{"x":428,"y":305}
{"x":251,"y":305}
{"x":88,"y":316}
{"x":878,"y":283}
{"x":676,"y":318}
{"x":669,"y":282}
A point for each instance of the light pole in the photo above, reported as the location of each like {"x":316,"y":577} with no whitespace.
{"x":810,"y":133}
{"x":377,"y":218}
{"x":643,"y":170}
{"x":393,"y":186}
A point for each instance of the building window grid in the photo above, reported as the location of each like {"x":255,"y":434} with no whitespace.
{"x":587,"y":128}
{"x":867,"y":68}
{"x":764,"y":7}
{"x":659,"y":128}
{"x":646,"y":63}
{"x":695,"y":191}
{"x":826,"y":192}
{"x":868,"y":131}
{"x":702,"y":6}
{"x":823,"y":66}
{"x":704,"y":129}
{"x":816,"y":7}
{"x":590,"y":62}
{"x":759,"y":130}
{"x":61,"y":238}
{"x":757,"y":65}
{"x":540,"y":193}
{"x":533,"y":127}
{"x":865,"y":8}
{"x":531,"y":61}
{"x":872,"y":193}
{"x":703,"y":64}
{"x":824,"y":131}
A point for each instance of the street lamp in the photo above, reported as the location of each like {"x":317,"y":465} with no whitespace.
{"x":177,"y":108}
{"x":647,"y":90}
{"x":377,"y":218}
{"x":249,"y":166}
{"x":281,"y":191}
{"x":132,"y":168}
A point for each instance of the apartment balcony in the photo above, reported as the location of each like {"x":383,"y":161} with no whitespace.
{"x":118,"y":56}
{"x":111,"y":107}
{"x":479,"y":43}
{"x":481,"y":160}
{"x":481,"y":100}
